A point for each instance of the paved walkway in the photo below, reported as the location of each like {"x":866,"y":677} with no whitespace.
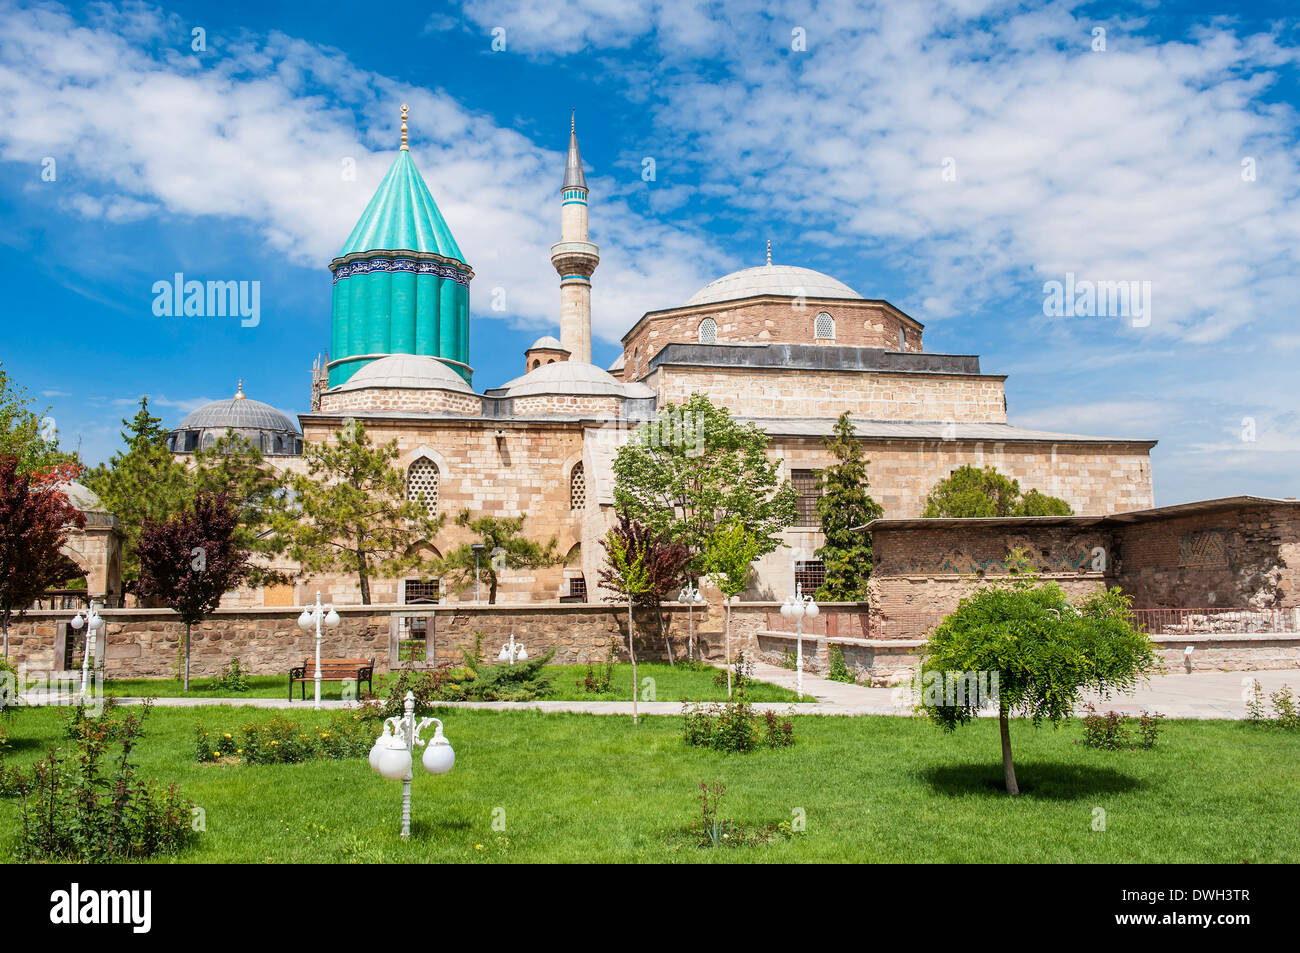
{"x":1199,"y":695}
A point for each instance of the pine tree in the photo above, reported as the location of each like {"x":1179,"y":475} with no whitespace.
{"x":845,"y":504}
{"x":143,"y":482}
{"x":352,"y":513}
{"x":970,"y":492}
{"x":29,"y":437}
{"x":504,"y":547}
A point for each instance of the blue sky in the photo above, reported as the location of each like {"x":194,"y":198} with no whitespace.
{"x":1122,"y":163}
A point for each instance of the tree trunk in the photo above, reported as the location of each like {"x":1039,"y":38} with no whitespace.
{"x":4,"y":624}
{"x":492,"y":588}
{"x":728,"y":607}
{"x":187,"y":657}
{"x":631,"y":651}
{"x":1008,"y":768}
{"x":363,"y":576}
{"x":663,"y":629}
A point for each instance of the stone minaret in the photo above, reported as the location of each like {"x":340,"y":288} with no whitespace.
{"x":575,"y":258}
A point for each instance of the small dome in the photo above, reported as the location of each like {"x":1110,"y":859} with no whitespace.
{"x":565,"y":377}
{"x":406,"y":370}
{"x":784,"y":280}
{"x":265,"y":427}
{"x":617,"y":365}
{"x":548,"y":343}
{"x":238,"y":413}
{"x":82,"y":496}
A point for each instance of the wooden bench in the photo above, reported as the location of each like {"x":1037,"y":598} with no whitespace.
{"x":332,"y":670}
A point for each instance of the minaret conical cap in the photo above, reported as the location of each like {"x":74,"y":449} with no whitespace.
{"x":573,"y":177}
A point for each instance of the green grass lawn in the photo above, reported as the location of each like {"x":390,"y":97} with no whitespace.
{"x":587,"y":788}
{"x":671,"y":683}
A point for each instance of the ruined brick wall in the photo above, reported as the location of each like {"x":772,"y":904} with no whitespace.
{"x":858,"y":323}
{"x":1243,"y":558}
{"x":779,"y":392}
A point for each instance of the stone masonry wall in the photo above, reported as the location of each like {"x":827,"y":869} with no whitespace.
{"x":404,"y":399}
{"x":776,"y":392}
{"x":857,"y":323}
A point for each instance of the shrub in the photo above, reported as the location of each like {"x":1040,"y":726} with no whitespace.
{"x":233,"y":677}
{"x":732,"y":726}
{"x":1286,"y":710}
{"x":81,"y":809}
{"x":279,"y":740}
{"x":1110,"y":732}
{"x":742,"y":673}
{"x":839,"y":672}
{"x":598,"y":681}
{"x":713,"y":829}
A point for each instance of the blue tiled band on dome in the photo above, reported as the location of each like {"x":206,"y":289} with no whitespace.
{"x":366,"y":266}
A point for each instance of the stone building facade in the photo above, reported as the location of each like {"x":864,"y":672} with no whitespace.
{"x":784,"y":347}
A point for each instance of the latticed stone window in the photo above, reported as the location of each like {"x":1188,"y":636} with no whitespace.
{"x":824,"y":327}
{"x":708,"y":331}
{"x":422,"y":483}
{"x":578,"y":588}
{"x":808,"y":484}
{"x":809,"y":573}
{"x":578,"y":487}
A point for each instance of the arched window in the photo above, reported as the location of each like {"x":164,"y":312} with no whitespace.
{"x":578,"y":487}
{"x":708,"y":331}
{"x":824,"y":327}
{"x":422,"y":483}
{"x":536,"y":363}
{"x":902,"y":339}
{"x":208,"y":440}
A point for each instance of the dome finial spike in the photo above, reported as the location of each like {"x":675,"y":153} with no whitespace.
{"x":769,"y":251}
{"x":239,"y":390}
{"x":573,"y":121}
{"x":404,"y":147}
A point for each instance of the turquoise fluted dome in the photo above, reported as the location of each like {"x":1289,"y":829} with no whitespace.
{"x":401,"y":284}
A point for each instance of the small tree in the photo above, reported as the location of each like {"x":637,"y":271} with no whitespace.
{"x":845,"y":504}
{"x":235,"y":466}
{"x":504,"y":547}
{"x":627,"y":572}
{"x":1042,"y":651}
{"x":666,"y":563}
{"x":352,"y":512}
{"x":695,"y":469}
{"x":729,"y":562}
{"x":34,"y":520}
{"x":192,"y":559}
{"x":970,"y":492}
{"x":141,"y":483}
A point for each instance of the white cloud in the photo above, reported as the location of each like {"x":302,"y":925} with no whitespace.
{"x":251,"y":131}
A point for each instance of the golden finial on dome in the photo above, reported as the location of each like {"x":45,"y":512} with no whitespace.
{"x":239,"y":390}
{"x":404,"y":146}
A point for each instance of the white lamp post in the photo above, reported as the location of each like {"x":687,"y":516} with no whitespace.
{"x":796,"y":607}
{"x":312,"y":618}
{"x":512,"y":651}
{"x":690,"y":597}
{"x":93,"y":624}
{"x":391,"y":754}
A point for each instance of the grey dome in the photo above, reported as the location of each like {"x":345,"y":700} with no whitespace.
{"x":406,"y":370}
{"x":238,"y":413}
{"x":548,"y":343}
{"x":565,"y":377}
{"x":82,"y":497}
{"x":787,"y":281}
{"x":265,"y":427}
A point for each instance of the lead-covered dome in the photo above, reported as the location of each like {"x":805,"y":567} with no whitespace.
{"x":406,"y":371}
{"x":564,"y":377}
{"x":789,"y":281}
{"x":265,"y":427}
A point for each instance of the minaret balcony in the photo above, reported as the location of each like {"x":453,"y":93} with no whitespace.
{"x":575,"y":257}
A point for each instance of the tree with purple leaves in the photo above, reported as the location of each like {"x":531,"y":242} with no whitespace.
{"x":191,"y":559}
{"x":34,"y":520}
